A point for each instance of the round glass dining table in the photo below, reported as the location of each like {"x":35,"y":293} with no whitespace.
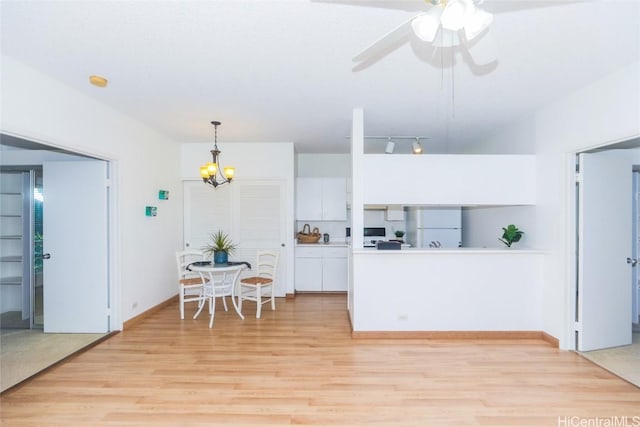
{"x":223,"y":281}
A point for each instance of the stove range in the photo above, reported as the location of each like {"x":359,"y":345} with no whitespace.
{"x":372,"y":235}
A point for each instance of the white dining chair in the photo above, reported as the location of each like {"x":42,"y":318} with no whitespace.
{"x":190,"y":284}
{"x":260,"y":287}
{"x":219,"y":285}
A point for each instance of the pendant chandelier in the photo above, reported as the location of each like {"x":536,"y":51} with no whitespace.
{"x":212,"y":173}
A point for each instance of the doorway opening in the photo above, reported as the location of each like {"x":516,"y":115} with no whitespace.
{"x":606,"y":292}
{"x":26,"y":240}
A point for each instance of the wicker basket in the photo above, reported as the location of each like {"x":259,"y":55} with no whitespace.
{"x":308,"y":236}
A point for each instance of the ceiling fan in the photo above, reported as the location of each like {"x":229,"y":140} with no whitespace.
{"x":445,"y":23}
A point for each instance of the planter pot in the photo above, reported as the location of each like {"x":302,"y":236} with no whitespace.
{"x":220,"y":257}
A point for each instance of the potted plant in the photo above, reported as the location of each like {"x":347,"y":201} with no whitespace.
{"x":510,"y":235}
{"x":399,"y":235}
{"x":220,"y":247}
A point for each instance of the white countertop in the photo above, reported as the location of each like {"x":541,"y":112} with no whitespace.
{"x":464,"y":251}
{"x":321,"y":244}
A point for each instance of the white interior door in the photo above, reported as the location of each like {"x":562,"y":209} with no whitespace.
{"x":604,"y":233}
{"x":251,"y":211}
{"x":76,"y":293}
{"x":259,"y":222}
{"x":206,"y":210}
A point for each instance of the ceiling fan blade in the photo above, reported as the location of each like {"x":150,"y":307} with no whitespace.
{"x":494,"y":6}
{"x":386,"y":42}
{"x":483,"y":50}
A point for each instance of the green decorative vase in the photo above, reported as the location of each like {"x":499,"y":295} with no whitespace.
{"x":220,"y":257}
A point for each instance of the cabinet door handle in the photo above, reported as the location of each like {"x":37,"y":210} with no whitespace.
{"x":46,"y":256}
{"x":632,"y":261}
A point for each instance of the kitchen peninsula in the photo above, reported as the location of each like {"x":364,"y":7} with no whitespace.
{"x":463,"y":290}
{"x":456,"y":291}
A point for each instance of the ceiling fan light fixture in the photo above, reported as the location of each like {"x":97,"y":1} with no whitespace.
{"x":477,"y":22}
{"x":426,"y":25}
{"x":454,"y":14}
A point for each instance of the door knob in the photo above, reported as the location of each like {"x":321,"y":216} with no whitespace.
{"x":632,"y":261}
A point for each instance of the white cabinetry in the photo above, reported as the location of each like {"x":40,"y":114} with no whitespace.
{"x":394,"y":213}
{"x":321,"y":269}
{"x":308,"y":273}
{"x":334,"y":272}
{"x":321,"y":199}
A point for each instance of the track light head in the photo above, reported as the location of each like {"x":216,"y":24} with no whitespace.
{"x":390,"y":146}
{"x":416,"y":147}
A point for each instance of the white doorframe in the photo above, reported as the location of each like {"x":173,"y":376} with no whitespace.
{"x":636,"y":249}
{"x":571,"y":238}
{"x":114,"y":281}
{"x":113,"y":236}
{"x":569,"y":340}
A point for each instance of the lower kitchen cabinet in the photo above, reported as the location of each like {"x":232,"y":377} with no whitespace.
{"x":321,"y":269}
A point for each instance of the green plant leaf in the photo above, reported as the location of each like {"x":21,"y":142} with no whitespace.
{"x":220,"y":242}
{"x":511,"y":234}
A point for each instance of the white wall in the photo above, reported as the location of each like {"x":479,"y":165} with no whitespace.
{"x":456,"y":180}
{"x":603,"y":112}
{"x":516,"y":138}
{"x":323,"y":165}
{"x":39,"y":108}
{"x":34,"y":157}
{"x":250,"y":159}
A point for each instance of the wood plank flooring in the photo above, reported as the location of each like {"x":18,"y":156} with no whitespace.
{"x":299,"y":365}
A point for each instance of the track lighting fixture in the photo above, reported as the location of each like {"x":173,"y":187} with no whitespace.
{"x":416,"y":147}
{"x":392,"y":141}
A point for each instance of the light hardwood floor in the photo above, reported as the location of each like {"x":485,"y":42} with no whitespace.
{"x":299,"y":365}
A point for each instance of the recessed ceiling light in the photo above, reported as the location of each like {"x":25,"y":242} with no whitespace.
{"x":98,"y":81}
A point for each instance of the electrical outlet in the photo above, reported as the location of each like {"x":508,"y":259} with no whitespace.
{"x":403,"y":317}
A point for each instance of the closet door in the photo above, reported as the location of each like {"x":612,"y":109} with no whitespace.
{"x":251,"y":211}
{"x":259,"y":223}
{"x":76,"y":293}
{"x":206,"y":210}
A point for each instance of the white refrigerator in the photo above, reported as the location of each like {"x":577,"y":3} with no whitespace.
{"x":434,"y":227}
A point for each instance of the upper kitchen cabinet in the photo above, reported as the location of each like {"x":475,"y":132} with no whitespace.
{"x":394,"y":213}
{"x":321,"y":199}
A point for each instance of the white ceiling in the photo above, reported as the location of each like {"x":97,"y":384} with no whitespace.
{"x":274,"y":71}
